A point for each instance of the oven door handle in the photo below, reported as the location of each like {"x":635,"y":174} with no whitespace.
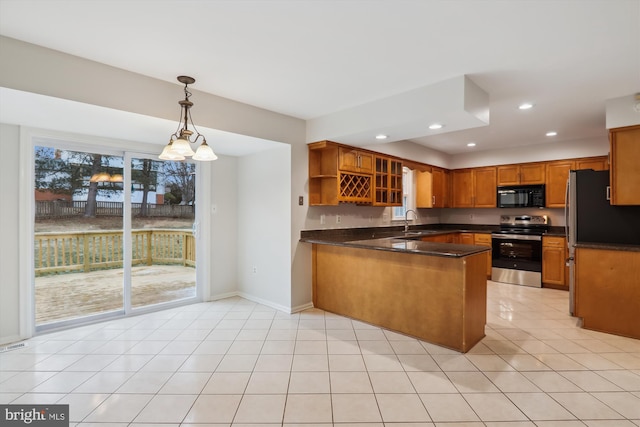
{"x":515,"y":237}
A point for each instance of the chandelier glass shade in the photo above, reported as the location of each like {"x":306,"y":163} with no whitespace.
{"x":179,"y":146}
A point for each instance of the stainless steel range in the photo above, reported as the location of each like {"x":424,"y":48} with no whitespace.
{"x":517,"y":250}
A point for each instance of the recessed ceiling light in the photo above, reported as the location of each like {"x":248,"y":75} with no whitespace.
{"x":552,"y":133}
{"x":471,"y":144}
{"x":381,"y":136}
{"x":525,"y":106}
{"x":435,"y":126}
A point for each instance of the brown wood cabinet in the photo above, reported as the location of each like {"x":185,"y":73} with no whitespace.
{"x":625,"y":165}
{"x":607,"y":295}
{"x":440,"y":185}
{"x":466,"y":238}
{"x":596,"y":163}
{"x":521,"y":174}
{"x":474,"y":187}
{"x":556,"y":182}
{"x":387,"y":182}
{"x":442,"y":300}
{"x":462,"y":180}
{"x":432,"y":188}
{"x":484,"y":239}
{"x":424,"y":188}
{"x":441,"y":238}
{"x":554,"y":261}
{"x":340,"y":173}
{"x":351,"y":160}
{"x":328,"y":184}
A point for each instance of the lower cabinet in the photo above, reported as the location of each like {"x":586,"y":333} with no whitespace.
{"x":465,"y":238}
{"x":483,"y":239}
{"x":440,"y":238}
{"x":607,"y":295}
{"x":554,"y":261}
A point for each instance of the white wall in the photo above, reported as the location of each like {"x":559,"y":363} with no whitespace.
{"x":9,"y":216}
{"x":264,"y":227}
{"x":300,"y":252}
{"x":224,"y":224}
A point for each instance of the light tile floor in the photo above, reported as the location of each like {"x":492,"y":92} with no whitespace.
{"x":235,"y":362}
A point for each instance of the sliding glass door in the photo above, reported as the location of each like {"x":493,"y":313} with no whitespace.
{"x":163,"y":246}
{"x":78,"y":234}
{"x":113,"y":234}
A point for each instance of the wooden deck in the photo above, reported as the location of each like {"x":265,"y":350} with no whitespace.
{"x":74,"y":295}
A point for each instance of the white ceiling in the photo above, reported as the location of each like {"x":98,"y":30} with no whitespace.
{"x":313,"y":58}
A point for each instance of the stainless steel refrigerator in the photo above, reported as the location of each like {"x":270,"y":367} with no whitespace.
{"x":590,"y":218}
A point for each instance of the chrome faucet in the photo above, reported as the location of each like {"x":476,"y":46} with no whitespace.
{"x":406,"y":219}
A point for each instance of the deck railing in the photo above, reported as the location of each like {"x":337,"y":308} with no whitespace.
{"x":85,"y":251}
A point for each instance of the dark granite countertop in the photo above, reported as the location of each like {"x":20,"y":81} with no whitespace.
{"x":408,"y":245}
{"x":365,"y":233}
{"x":393,"y":239}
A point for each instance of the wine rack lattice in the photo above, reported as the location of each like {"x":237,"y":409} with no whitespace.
{"x":355,"y":187}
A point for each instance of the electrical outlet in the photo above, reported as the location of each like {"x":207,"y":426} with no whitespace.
{"x":254,"y":269}
{"x":300,"y":200}
{"x":322,"y":219}
{"x":370,"y":218}
{"x":338,"y":219}
{"x":470,"y":216}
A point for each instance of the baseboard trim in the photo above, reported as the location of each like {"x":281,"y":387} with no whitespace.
{"x":223,"y":296}
{"x":302,"y":307}
{"x":271,"y":304}
{"x":8,"y":341}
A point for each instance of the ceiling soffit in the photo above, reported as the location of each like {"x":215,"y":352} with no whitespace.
{"x":457,"y":103}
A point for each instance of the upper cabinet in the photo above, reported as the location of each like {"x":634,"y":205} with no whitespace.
{"x":474,"y":187}
{"x":351,"y":160}
{"x":625,"y":165}
{"x":484,"y":187}
{"x":387,"y":182}
{"x":558,"y":174}
{"x":424,"y":188}
{"x":556,"y":182}
{"x":331,"y":185}
{"x":343,"y":174}
{"x":432,"y":188}
{"x":440,"y":185}
{"x":462,"y":181}
{"x":521,"y":174}
{"x":596,"y":163}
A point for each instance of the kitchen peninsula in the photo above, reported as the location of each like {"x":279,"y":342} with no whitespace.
{"x":433,"y":291}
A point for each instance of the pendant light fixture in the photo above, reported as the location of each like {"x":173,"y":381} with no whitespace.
{"x":179,"y":146}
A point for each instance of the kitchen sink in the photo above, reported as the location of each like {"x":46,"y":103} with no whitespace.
{"x":417,"y":233}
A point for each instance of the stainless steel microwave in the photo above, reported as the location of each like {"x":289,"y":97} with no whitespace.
{"x":521,"y":196}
